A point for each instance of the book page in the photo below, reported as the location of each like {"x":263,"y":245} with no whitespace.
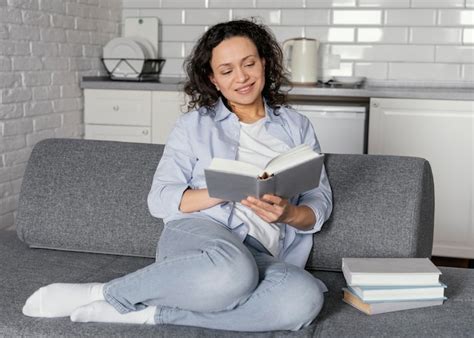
{"x":234,"y":167}
{"x":291,"y":158}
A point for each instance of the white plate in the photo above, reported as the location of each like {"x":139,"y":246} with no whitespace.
{"x":146,"y":46}
{"x":117,"y":50}
{"x":349,"y":80}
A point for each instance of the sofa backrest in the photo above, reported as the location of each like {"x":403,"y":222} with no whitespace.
{"x":383,"y":207}
{"x":91,"y":196}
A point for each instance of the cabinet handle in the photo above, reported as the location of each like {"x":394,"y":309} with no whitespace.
{"x":116,"y":108}
{"x":145,"y":132}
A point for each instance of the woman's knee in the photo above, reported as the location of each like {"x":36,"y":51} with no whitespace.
{"x":235,"y":267}
{"x":231,"y":276}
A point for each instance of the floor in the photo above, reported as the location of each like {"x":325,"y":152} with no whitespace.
{"x":453,"y":262}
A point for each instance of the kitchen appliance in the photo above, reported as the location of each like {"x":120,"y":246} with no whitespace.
{"x":301,"y":59}
{"x":340,"y":128}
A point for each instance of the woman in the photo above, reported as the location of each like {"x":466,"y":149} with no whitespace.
{"x":222,"y":265}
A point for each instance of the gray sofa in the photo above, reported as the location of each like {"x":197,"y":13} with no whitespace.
{"x":83,"y":217}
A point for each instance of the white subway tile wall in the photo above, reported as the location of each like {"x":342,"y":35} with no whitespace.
{"x":468,"y":72}
{"x":410,"y":17}
{"x":384,"y":3}
{"x":383,"y":35}
{"x":330,"y":3}
{"x":380,"y":39}
{"x":468,"y":36}
{"x":357,"y":17}
{"x":46,"y":47}
{"x":437,"y":3}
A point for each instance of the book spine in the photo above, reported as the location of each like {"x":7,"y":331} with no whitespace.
{"x":265,"y":186}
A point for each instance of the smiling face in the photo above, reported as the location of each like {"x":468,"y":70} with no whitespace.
{"x":238,"y":72}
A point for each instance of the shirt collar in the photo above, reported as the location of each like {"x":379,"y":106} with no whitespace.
{"x":222,"y":112}
{"x":272,"y":113}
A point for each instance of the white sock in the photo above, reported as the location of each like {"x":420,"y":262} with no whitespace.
{"x":60,"y":299}
{"x":103,"y":312}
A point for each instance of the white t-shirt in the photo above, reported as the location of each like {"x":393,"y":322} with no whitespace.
{"x":257,"y":146}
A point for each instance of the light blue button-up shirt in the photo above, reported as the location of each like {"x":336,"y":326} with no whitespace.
{"x":203,"y":134}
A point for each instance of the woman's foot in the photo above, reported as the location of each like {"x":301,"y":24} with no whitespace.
{"x":60,"y":299}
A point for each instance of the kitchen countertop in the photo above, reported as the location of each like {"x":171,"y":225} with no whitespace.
{"x":384,"y":89}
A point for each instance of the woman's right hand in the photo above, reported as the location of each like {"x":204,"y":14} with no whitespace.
{"x":196,"y":200}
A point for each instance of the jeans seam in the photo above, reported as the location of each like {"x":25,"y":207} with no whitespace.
{"x":159,"y":318}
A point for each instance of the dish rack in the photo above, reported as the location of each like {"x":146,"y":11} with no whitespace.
{"x":150,"y":72}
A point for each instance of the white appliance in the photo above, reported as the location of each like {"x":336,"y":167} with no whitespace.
{"x":301,"y":59}
{"x":339,"y":128}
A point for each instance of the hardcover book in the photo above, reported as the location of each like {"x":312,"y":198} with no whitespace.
{"x":390,"y":271}
{"x":383,"y":307}
{"x":398,"y":293}
{"x":286,"y":175}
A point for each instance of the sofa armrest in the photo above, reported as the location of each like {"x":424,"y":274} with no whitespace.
{"x":383,"y":207}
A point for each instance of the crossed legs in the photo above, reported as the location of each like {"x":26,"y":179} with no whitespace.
{"x":203,"y":276}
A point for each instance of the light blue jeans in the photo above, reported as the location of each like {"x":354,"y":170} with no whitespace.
{"x":205,"y":276}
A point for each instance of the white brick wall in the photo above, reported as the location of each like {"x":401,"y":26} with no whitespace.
{"x":46,"y":46}
{"x":414,"y":40}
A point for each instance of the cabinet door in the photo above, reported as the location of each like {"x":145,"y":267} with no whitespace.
{"x":118,"y":133}
{"x":441,"y":132}
{"x":339,"y":129}
{"x":118,"y":107}
{"x":167,"y":107}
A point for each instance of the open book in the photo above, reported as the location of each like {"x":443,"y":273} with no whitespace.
{"x":286,"y":175}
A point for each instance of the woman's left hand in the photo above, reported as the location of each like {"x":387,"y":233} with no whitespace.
{"x":271,"y":208}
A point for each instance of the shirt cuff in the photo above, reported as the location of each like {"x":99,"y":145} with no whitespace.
{"x":319,"y":221}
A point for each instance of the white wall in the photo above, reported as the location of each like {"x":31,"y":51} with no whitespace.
{"x":411,"y":40}
{"x":46,"y":46}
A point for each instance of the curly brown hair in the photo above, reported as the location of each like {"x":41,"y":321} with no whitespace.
{"x":197,"y":65}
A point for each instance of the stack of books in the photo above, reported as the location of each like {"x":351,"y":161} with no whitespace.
{"x":379,"y":285}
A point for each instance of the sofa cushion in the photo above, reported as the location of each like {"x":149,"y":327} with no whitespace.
{"x":90,"y":196}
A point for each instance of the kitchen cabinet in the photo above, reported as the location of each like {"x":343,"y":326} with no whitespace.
{"x":130,"y":115}
{"x":167,"y":107}
{"x":440,"y":131}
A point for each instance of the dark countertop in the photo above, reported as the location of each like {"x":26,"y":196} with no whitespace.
{"x":371,"y":89}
